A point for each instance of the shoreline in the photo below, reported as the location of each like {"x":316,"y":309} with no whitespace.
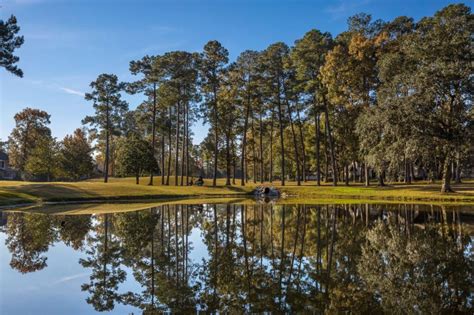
{"x":18,"y":194}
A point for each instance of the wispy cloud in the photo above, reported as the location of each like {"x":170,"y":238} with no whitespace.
{"x":47,"y":285}
{"x":69,"y":278}
{"x":72,"y":91}
{"x":57,"y":87}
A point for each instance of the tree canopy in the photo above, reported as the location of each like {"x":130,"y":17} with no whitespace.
{"x":388,"y":101}
{"x":9,"y":42}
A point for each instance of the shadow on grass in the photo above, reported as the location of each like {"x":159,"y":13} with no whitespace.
{"x":463,"y":189}
{"x":51,"y":192}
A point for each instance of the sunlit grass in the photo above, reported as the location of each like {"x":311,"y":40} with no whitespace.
{"x":15,"y":192}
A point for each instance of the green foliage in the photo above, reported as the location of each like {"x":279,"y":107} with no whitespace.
{"x":415,"y":274}
{"x":9,"y":41}
{"x":211,"y":64}
{"x":107,"y":102}
{"x":392,"y":97}
{"x":308,"y":56}
{"x":425,"y":97}
{"x":43,"y":162}
{"x":31,"y":125}
{"x":135,"y":156}
{"x":75,"y":160}
{"x":109,"y":112}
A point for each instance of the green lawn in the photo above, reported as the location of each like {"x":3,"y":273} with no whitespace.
{"x":15,"y":192}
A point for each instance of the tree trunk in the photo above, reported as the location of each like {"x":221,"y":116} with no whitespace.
{"x":153,"y":132}
{"x":234,"y":166}
{"x":297,"y":157}
{"x":408,"y":177}
{"x":261,"y":146}
{"x":282,"y":143}
{"x":107,"y":145}
{"x":331,"y":145}
{"x":216,"y":140}
{"x":254,"y":154}
{"x":303,"y":148}
{"x":326,"y":159}
{"x":176,"y":162}
{"x":187,"y":145}
{"x":271,"y":148}
{"x":137,"y":179}
{"x":381,"y":176}
{"x":183,"y":154}
{"x":354,"y":172}
{"x":366,"y":175}
{"x":458,"y":169}
{"x":227,"y":157}
{"x":244,"y":143}
{"x":111,"y":156}
{"x":347,"y":174}
{"x":169,"y":148}
{"x":446,"y":186}
{"x":162,"y":158}
{"x":318,"y":148}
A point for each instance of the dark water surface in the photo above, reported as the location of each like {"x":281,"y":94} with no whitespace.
{"x":231,"y":258}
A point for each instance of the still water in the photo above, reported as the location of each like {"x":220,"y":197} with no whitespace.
{"x":234,"y":258}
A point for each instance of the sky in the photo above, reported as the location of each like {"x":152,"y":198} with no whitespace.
{"x":68,"y":43}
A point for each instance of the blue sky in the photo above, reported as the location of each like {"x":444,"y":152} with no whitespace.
{"x":68,"y":43}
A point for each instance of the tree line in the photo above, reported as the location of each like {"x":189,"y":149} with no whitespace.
{"x":382,"y":100}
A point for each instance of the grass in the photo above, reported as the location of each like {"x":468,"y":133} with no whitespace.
{"x":18,"y":192}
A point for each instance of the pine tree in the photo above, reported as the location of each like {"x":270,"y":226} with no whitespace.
{"x":212,"y":64}
{"x":9,"y":41}
{"x":109,"y":110}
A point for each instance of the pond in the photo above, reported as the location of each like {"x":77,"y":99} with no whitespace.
{"x":238,"y":258}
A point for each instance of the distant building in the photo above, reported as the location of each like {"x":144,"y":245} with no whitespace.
{"x":5,"y":171}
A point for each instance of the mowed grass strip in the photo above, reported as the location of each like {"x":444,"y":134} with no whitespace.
{"x":15,"y":192}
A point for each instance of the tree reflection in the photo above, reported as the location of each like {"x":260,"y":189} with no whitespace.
{"x":104,"y":258}
{"x":264,"y":258}
{"x":159,"y":267}
{"x":424,"y":273}
{"x":29,"y":236}
{"x":72,"y":229}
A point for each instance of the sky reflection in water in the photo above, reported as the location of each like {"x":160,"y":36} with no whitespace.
{"x":239,"y":258}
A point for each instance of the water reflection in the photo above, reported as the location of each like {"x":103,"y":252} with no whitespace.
{"x":262,"y":258}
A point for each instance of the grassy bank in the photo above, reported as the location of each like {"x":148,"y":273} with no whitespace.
{"x":17,"y":192}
